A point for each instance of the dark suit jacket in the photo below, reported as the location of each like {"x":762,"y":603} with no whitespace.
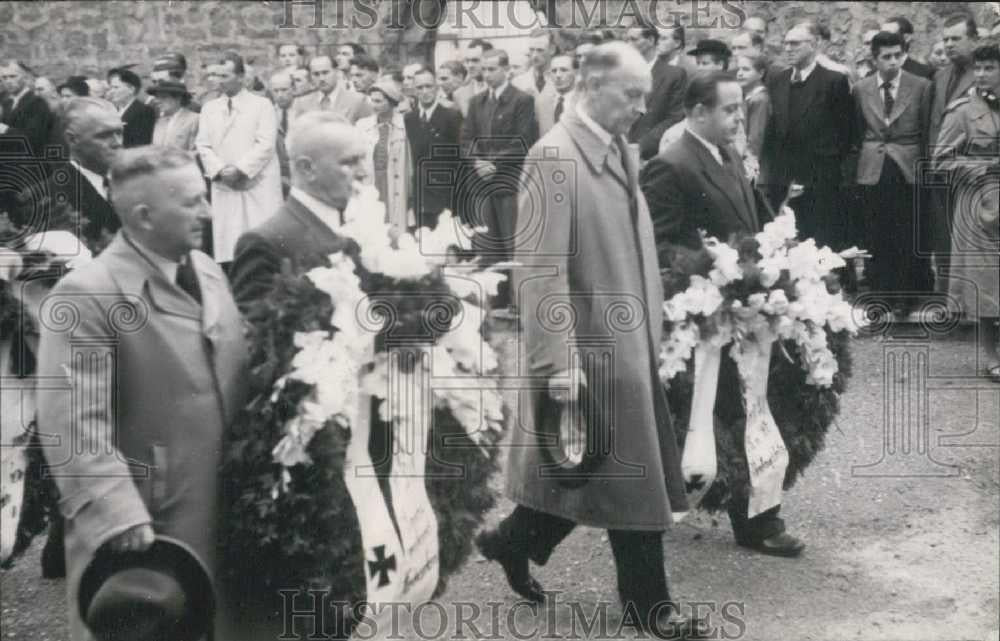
{"x":139,"y":120}
{"x":941,"y":101}
{"x":503,"y":139}
{"x":687,"y":190}
{"x":294,"y":237}
{"x":434,"y":148}
{"x":35,"y":121}
{"x":826,"y":117}
{"x":67,"y":201}
{"x":918,"y":68}
{"x":664,"y":107}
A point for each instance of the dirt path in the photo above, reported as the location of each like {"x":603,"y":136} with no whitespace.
{"x":904,"y":556}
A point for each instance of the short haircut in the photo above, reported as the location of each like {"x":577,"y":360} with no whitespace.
{"x":77,"y":107}
{"x":366,"y":62}
{"x":236,"y":59}
{"x":320,"y":57}
{"x":886,"y":39}
{"x":127,"y":76}
{"x":572,"y":59}
{"x":905,"y":26}
{"x":963,"y":18}
{"x":811,"y":27}
{"x":648,"y":30}
{"x":756,"y":40}
{"x":989,"y":49}
{"x":679,"y":35}
{"x":591,"y":36}
{"x":146,"y":160}
{"x":824,"y":32}
{"x":758,"y":62}
{"x":704,"y":89}
{"x":355,"y":47}
{"x":304,"y":127}
{"x":281,"y":76}
{"x":604,"y":59}
{"x":500,"y":54}
{"x":540,"y":32}
{"x":455,"y":67}
{"x":426,"y":70}
{"x":75,"y":84}
{"x":479,"y":42}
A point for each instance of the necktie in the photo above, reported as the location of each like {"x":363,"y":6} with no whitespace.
{"x":796,"y":77}
{"x":539,"y":82}
{"x":887,"y":100}
{"x":425,"y":116}
{"x":186,"y":278}
{"x":727,"y":159}
{"x":284,"y":121}
{"x":623,"y":155}
{"x":559,"y":108}
{"x":229,"y":105}
{"x":107,"y":189}
{"x":324,"y":102}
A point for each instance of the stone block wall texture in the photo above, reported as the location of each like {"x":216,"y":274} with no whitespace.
{"x":90,"y":36}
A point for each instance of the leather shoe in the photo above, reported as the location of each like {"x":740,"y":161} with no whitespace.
{"x":515,"y":565}
{"x":783,"y":544}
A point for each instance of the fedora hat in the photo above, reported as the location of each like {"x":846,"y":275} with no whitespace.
{"x":162,"y":594}
{"x":712,"y":46}
{"x":169,"y":88}
{"x":574,"y":437}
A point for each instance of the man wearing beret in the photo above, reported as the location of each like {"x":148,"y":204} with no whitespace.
{"x":138,"y":119}
{"x":144,"y":349}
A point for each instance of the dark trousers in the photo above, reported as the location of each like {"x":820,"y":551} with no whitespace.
{"x":642,"y":578}
{"x":749,"y":530}
{"x":497,"y":211}
{"x":819,"y":211}
{"x":894,"y":237}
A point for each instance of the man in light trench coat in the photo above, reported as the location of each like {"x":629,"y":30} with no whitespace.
{"x":144,"y":363}
{"x":590,"y":286}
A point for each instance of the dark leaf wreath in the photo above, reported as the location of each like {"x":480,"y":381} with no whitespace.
{"x":308,"y":537}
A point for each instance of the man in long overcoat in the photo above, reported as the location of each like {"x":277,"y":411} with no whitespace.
{"x":143,"y":355}
{"x":590,"y":287}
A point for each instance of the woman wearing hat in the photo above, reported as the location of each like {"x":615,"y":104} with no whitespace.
{"x":389,"y":165}
{"x":969,"y":147}
{"x":177,"y":125}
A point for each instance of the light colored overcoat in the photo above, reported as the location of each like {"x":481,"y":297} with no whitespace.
{"x":140,"y":381}
{"x":590,"y":283}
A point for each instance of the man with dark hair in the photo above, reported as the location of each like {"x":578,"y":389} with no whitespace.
{"x":495,"y":138}
{"x":26,"y":112}
{"x":892,"y":109}
{"x":237,"y":143}
{"x":671,"y":46}
{"x":139,"y":119}
{"x":807,"y":138}
{"x":951,"y":84}
{"x":822,"y":30}
{"x":473,"y":60}
{"x":330,"y":94}
{"x":664,"y":104}
{"x":697,"y":184}
{"x":551,"y":105}
{"x":364,"y":72}
{"x":73,"y":87}
{"x":904,"y":28}
{"x":433,"y":130}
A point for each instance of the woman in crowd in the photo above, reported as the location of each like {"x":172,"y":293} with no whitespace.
{"x":750,"y":71}
{"x":177,"y":126}
{"x":938,"y":58}
{"x":389,"y":159}
{"x":969,"y":146}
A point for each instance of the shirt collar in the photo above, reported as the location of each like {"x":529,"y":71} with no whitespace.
{"x":598,"y":130}
{"x":712,"y":149}
{"x":805,"y":73}
{"x":92,"y":177}
{"x":428,"y":110}
{"x":329,"y":215}
{"x":126,"y":106}
{"x":24,"y":92}
{"x":499,"y":90}
{"x":893,"y":84}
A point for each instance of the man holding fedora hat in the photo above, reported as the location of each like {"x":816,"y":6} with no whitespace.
{"x":177,"y":125}
{"x":153,"y":366}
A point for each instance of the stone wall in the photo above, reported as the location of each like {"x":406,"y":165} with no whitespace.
{"x":90,"y":36}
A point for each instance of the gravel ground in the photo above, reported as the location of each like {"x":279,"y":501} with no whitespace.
{"x":903,"y":549}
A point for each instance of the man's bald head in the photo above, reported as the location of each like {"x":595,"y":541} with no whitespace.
{"x":327,"y":155}
{"x":93,"y":132}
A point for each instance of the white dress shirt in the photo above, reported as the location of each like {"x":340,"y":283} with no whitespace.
{"x":329,"y":215}
{"x":93,"y":178}
{"x":712,"y":149}
{"x":893,"y":86}
{"x":804,"y":73}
